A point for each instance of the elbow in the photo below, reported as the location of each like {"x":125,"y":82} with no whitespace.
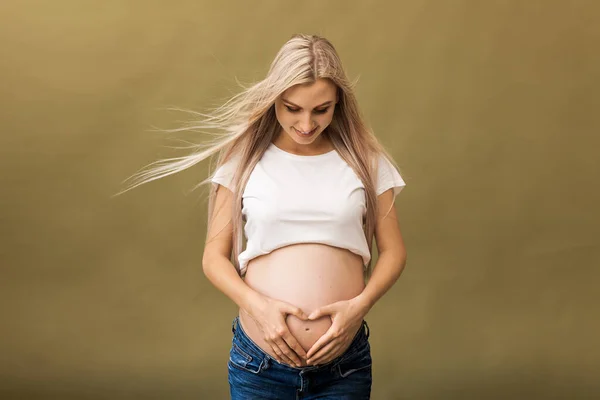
{"x":212,"y":261}
{"x":403,"y":257}
{"x":207,"y":262}
{"x":402,"y":260}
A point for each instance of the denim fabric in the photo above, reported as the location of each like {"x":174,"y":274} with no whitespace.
{"x":254,"y":374}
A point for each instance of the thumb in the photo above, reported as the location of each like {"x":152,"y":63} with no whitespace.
{"x":296,"y":311}
{"x":319,"y":312}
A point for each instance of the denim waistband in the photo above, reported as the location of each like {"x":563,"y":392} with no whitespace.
{"x":362,"y":335}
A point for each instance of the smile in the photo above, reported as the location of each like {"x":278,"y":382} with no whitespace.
{"x":305,"y":133}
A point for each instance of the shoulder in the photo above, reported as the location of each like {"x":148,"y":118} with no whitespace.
{"x":388,"y":175}
{"x":225,"y":172}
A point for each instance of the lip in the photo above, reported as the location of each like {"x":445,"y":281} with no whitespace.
{"x":305,"y":134}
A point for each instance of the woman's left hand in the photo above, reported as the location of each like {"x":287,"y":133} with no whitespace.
{"x":346,"y":317}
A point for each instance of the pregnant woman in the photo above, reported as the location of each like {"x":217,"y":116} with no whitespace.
{"x":307,"y":186}
{"x":311,"y":186}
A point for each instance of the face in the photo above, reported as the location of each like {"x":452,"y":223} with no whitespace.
{"x":304,"y":111}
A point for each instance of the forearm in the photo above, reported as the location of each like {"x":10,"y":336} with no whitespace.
{"x":223,"y":275}
{"x":386,"y":272}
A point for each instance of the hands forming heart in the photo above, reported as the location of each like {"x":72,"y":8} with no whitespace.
{"x":346,"y":318}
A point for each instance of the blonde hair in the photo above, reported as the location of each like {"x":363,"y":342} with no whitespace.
{"x":247,"y":124}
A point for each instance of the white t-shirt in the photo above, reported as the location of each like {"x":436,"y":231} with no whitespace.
{"x":292,"y":199}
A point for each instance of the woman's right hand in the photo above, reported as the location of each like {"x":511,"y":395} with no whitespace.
{"x":270,"y":316}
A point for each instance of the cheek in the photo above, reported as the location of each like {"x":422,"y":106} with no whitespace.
{"x":282,"y":118}
{"x":325,"y":120}
{"x":286,"y":122}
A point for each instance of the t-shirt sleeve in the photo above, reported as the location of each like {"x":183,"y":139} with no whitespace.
{"x":224,"y":174}
{"x":388,"y":177}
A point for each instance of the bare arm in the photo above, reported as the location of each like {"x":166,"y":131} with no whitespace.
{"x":269,"y":314}
{"x":347,"y":316}
{"x":392,"y":253}
{"x":215,"y":262}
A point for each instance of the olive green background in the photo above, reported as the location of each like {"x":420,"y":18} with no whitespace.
{"x":490,"y":108}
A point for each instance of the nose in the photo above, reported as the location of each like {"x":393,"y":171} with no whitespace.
{"x":305,"y":124}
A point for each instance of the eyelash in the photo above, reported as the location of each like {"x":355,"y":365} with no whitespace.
{"x":292,"y":110}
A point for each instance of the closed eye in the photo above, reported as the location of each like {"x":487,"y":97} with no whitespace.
{"x":295,"y":110}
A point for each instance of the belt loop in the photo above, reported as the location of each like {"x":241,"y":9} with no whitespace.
{"x":368,"y":331}
{"x":234,"y":324}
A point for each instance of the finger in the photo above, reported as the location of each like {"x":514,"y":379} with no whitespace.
{"x":295,"y":311}
{"x":283,"y":357}
{"x":338,"y":347}
{"x":292,"y":342}
{"x":284,"y":339}
{"x":289,"y":353}
{"x":315,"y":314}
{"x":320,"y":312}
{"x":325,"y":354}
{"x":282,"y":348}
{"x":331,"y":356}
{"x":323,"y":340}
{"x":341,"y":345}
{"x":280,"y":356}
{"x":277,"y":353}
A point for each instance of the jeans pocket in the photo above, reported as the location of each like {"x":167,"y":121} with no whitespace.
{"x":238,"y":358}
{"x":356,"y":361}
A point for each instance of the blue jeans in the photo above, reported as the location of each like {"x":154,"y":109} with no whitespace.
{"x":254,"y":374}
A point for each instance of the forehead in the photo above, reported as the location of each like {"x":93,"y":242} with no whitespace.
{"x":311,"y":94}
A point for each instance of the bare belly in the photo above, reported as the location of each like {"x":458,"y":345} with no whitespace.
{"x":306,"y":275}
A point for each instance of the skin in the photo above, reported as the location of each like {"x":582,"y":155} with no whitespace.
{"x":309,"y":276}
{"x":304,"y":108}
{"x":298,"y":108}
{"x":347,"y":315}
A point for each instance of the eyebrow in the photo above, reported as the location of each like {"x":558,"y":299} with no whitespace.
{"x":296,"y":105}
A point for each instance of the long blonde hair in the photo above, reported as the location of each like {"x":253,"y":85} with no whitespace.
{"x":246,"y":124}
